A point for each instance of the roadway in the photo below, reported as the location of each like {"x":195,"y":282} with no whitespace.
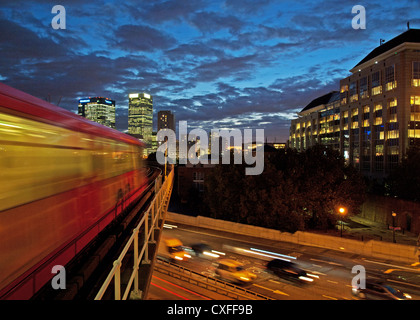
{"x":332,"y":270}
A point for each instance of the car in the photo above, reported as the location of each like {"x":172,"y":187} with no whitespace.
{"x":378,"y":290}
{"x":288,"y":269}
{"x":173,"y":250}
{"x":205,"y":251}
{"x":200,"y":248}
{"x":234,"y":271}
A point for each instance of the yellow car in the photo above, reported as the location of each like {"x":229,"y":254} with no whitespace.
{"x":172,"y":249}
{"x":234,"y":271}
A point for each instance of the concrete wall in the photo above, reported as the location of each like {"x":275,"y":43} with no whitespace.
{"x":374,"y":249}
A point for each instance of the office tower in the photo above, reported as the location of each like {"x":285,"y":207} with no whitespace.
{"x":375,"y":117}
{"x":98,"y":109}
{"x":140,"y":118}
{"x":154,"y":144}
{"x":166,"y":120}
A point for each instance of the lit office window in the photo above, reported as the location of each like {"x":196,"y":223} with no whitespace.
{"x":378,"y":121}
{"x":376,"y":83}
{"x":393,"y":103}
{"x":415,"y":116}
{"x":414,"y":133}
{"x":353,"y":92}
{"x":415,"y":100}
{"x":390,"y":82}
{"x":393,"y":134}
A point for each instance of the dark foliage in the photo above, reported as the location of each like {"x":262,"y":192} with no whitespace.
{"x":296,"y":191}
{"x":404,"y":181}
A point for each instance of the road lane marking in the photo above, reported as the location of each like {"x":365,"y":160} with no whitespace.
{"x":335,"y":282}
{"x":332,"y":298}
{"x":273,"y":290}
{"x":328,"y":262}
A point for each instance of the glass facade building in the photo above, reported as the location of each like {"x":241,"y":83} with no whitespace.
{"x":98,"y":109}
{"x":375,"y":116}
{"x":140,"y":118}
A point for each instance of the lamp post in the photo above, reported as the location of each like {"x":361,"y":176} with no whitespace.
{"x":342,"y":211}
{"x":393,"y":226}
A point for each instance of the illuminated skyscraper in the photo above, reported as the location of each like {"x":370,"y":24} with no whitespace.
{"x":166,"y":121}
{"x":98,"y":109}
{"x":140,"y":117}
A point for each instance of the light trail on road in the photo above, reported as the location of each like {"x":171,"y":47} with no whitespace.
{"x":167,"y":290}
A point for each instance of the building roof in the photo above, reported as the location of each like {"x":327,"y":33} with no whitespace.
{"x":411,"y":35}
{"x":321,"y":100}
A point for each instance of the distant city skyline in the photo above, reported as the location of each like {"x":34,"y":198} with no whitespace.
{"x":216,"y":64}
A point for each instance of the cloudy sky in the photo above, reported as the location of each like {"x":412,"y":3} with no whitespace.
{"x":216,"y":64}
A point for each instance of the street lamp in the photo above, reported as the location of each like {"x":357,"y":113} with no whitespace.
{"x":393,"y":226}
{"x":342,"y":211}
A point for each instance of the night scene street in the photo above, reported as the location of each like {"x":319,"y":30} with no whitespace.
{"x":209,"y":159}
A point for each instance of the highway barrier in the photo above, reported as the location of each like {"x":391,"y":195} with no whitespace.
{"x":372,"y":248}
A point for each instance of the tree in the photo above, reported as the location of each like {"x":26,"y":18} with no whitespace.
{"x":325,"y":184}
{"x":295,"y":191}
{"x":404,"y":181}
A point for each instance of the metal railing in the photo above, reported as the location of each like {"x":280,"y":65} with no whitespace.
{"x":155,"y":212}
{"x":207,"y":282}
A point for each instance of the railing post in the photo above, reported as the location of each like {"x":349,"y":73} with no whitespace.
{"x":155,"y":223}
{"x":136,"y":260}
{"x":152,"y":220}
{"x":117,"y":280}
{"x":146,"y":240}
{"x":160,"y":203}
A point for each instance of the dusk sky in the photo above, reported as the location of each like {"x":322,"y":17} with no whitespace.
{"x":216,"y":64}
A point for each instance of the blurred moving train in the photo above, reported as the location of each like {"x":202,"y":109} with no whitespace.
{"x":62,"y":178}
